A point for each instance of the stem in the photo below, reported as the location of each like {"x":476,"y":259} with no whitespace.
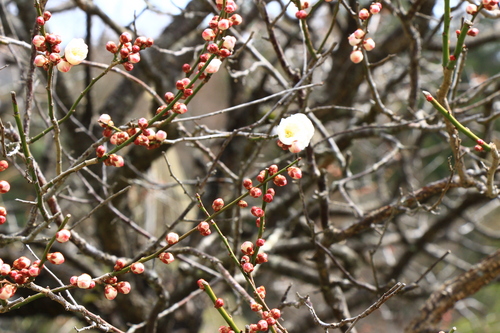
{"x":75,"y":104}
{"x":455,"y":122}
{"x":52,"y":240}
{"x":446,"y":33}
{"x":28,"y":158}
{"x":208,"y":290}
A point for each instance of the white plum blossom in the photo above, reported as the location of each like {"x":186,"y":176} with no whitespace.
{"x":296,"y":131}
{"x":213,"y":66}
{"x":229,"y":42}
{"x":76,"y":51}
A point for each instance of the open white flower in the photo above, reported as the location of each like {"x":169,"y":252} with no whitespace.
{"x":296,"y":131}
{"x":76,"y":51}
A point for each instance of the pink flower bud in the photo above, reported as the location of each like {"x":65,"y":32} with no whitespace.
{"x":55,"y":258}
{"x":275,"y":313}
{"x":230,"y":7}
{"x":247,"y":183}
{"x":63,"y":235}
{"x":247,"y":248}
{"x":208,"y":35}
{"x":203,"y":227}
{"x":247,"y":267}
{"x":128,"y":66}
{"x":40,"y":20}
{"x":4,"y":186}
{"x":47,"y":15}
{"x":3,"y":211}
{"x":179,"y":108}
{"x":186,"y":68}
{"x":202,"y":283}
{"x":84,"y":281}
{"x":236,"y":19}
{"x":260,"y":242}
{"x":40,"y":60}
{"x":21,"y":262}
{"x":166,"y":257}
{"x":473,"y":32}
{"x":34,"y":270}
{"x":294,"y":172}
{"x":218,"y":204}
{"x":161,"y":135}
{"x":123,"y":287}
{"x":242,"y":204}
{"x":119,"y":264}
{"x":268,"y":198}
{"x":364,"y":14}
{"x":261,"y":291}
{"x":270,"y":321}
{"x":137,"y":268}
{"x":255,"y":192}
{"x":262,"y":325}
{"x":142,"y":123}
{"x":38,"y":40}
{"x":125,"y":38}
{"x":224,"y":24}
{"x":172,"y":238}
{"x":254,"y":306}
{"x":368,"y":44}
{"x":471,"y":9}
{"x":257,"y":211}
{"x":7,"y":291}
{"x":5,"y":269}
{"x":359,"y":33}
{"x":375,"y":8}
{"x":212,"y":48}
{"x":134,"y":58}
{"x":3,"y":165}
{"x":261,"y":258}
{"x":301,"y":14}
{"x":110,"y":292}
{"x":272,"y":170}
{"x":356,"y":56}
{"x":64,"y":66}
{"x":280,"y":180}
{"x":55,"y":58}
{"x":219,"y":303}
{"x":111,"y":47}
{"x":73,"y":280}
{"x":353,"y":41}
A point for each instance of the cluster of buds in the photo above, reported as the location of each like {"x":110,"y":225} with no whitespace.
{"x":49,"y":46}
{"x":218,"y":48}
{"x":4,"y":188}
{"x":204,"y":228}
{"x":21,"y":271}
{"x":268,"y":319}
{"x":490,"y":4}
{"x":83,"y":281}
{"x":301,"y":14}
{"x":128,"y":51}
{"x":113,"y":287}
{"x":358,"y":38}
{"x":480,"y":145}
